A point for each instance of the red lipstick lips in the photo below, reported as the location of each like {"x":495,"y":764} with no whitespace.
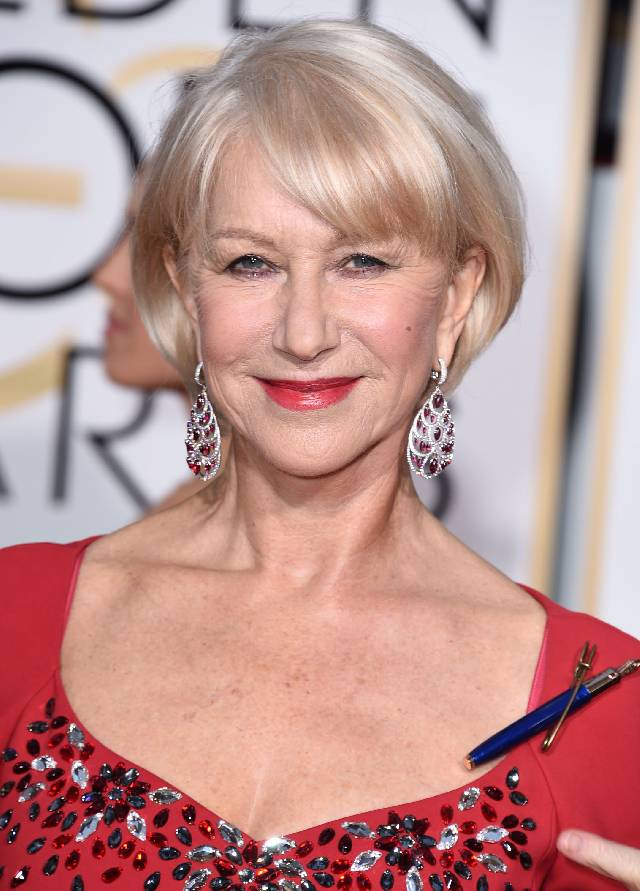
{"x":308,"y":395}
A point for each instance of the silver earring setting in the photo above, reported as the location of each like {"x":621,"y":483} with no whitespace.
{"x":432,"y":436}
{"x":203,"y":434}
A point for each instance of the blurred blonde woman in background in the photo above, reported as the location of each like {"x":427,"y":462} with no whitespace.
{"x":131,"y":359}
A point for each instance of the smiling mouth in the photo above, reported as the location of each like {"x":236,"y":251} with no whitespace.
{"x":313,"y":386}
{"x":308,"y":395}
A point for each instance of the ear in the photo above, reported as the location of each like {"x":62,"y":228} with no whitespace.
{"x":180,"y":285}
{"x":461,"y":291}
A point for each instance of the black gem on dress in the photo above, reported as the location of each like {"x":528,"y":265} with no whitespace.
{"x":51,"y":865}
{"x":526,"y":860}
{"x":184,"y":835}
{"x":513,"y":778}
{"x":518,"y":798}
{"x":326,"y":836}
{"x":181,"y":871}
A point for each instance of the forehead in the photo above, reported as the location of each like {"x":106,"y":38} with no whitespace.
{"x":247,"y":196}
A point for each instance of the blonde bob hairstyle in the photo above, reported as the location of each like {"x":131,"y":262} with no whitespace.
{"x":360,"y":127}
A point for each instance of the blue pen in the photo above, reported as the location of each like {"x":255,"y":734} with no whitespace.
{"x":546,"y":714}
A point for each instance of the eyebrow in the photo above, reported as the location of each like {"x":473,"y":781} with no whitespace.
{"x":260,"y":238}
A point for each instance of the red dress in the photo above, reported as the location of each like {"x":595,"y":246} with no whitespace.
{"x":76,"y":816}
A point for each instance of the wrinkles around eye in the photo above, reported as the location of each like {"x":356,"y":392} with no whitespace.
{"x":355,"y":265}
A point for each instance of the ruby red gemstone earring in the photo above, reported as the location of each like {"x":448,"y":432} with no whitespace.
{"x":432,"y":436}
{"x":203,"y":434}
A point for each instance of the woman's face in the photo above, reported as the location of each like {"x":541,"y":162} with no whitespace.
{"x":315,"y":346}
{"x":130,"y":357}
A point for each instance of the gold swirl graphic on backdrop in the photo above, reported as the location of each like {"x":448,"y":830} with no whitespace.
{"x":31,"y":379}
{"x":59,"y":186}
{"x":175,"y":59}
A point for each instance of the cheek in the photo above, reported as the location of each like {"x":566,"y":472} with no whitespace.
{"x":230,"y":329}
{"x":401,"y":332}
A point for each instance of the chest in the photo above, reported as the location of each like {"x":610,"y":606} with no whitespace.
{"x":280,"y":722}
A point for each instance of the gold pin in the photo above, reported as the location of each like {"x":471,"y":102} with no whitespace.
{"x":583,"y":665}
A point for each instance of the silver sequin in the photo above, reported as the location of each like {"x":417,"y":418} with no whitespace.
{"x":203,"y":852}
{"x":44,"y":762}
{"x":137,"y":825}
{"x":413,"y":880}
{"x":365,"y":860}
{"x":197,"y":880}
{"x":164,"y":795}
{"x":230,"y":833}
{"x":79,"y":774}
{"x":492,"y":862}
{"x":277,"y":844}
{"x":75,"y":736}
{"x":491,"y":834}
{"x":361,"y":830}
{"x":469,"y":798}
{"x":290,"y":867}
{"x":31,"y":791}
{"x":89,"y":826}
{"x":448,"y":837}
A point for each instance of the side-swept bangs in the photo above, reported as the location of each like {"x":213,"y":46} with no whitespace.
{"x":360,"y":127}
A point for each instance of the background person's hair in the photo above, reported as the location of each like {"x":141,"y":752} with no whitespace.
{"x":360,"y":127}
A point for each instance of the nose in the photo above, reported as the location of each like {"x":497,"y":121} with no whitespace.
{"x":305,"y":328}
{"x":113,"y":276}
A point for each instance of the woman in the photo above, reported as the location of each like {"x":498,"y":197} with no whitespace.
{"x":130,"y":356}
{"x":330,"y":227}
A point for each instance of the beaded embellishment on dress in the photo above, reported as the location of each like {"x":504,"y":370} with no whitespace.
{"x":63,"y":810}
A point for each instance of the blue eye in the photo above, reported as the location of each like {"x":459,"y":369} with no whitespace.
{"x":364,"y":261}
{"x":248,"y":263}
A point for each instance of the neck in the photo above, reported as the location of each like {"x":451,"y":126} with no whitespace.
{"x":307,"y":530}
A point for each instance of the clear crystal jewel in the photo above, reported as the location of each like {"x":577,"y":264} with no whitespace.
{"x":491,"y":834}
{"x":468,"y":798}
{"x":448,"y":837}
{"x":197,"y":880}
{"x":277,"y":844}
{"x":246,"y":875}
{"x":492,"y":862}
{"x":405,"y":841}
{"x":365,"y":860}
{"x":287,"y":885}
{"x":230,"y":833}
{"x":413,"y":880}
{"x":43,"y":762}
{"x":75,"y":736}
{"x":203,"y":852}
{"x":137,"y":825}
{"x":361,"y":830}
{"x":89,"y":826}
{"x":290,"y":867}
{"x":79,"y":774}
{"x":164,"y":795}
{"x":31,"y":791}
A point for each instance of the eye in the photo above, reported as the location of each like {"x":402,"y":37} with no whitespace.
{"x":363,"y":263}
{"x":249,"y":265}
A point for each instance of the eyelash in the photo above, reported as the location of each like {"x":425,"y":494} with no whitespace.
{"x":260,"y":273}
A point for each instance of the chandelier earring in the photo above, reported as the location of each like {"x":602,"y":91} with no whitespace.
{"x":432,"y":436}
{"x":203,"y":434}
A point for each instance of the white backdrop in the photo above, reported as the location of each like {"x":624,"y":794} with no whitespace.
{"x":75,"y":450}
